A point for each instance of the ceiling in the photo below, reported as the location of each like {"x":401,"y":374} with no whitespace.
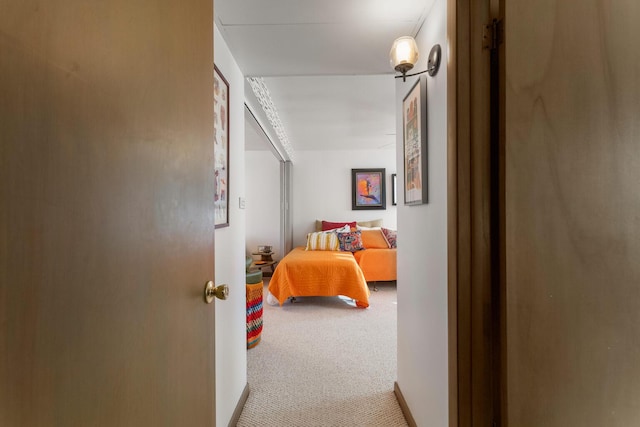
{"x":325,"y":63}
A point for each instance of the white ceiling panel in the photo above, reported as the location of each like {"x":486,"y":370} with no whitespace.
{"x":282,"y":12}
{"x":325,"y":62}
{"x":313,"y":49}
{"x":336,"y":112}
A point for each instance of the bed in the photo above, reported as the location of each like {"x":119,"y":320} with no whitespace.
{"x":378,"y":265}
{"x":319,"y":273}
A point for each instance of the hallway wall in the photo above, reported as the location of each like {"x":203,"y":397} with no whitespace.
{"x":231,"y":345}
{"x":422,"y":248}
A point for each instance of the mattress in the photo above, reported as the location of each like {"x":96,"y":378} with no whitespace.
{"x":319,"y":273}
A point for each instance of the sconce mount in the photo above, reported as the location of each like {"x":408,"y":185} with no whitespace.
{"x":404,"y":54}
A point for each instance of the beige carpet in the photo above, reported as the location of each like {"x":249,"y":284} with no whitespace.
{"x":323,"y":362}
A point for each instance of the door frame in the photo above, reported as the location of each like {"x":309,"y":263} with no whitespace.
{"x":476,"y":329}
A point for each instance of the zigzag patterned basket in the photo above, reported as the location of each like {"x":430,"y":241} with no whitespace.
{"x":254,"y":314}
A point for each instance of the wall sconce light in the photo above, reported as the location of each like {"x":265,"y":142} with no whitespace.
{"x":404,"y":55}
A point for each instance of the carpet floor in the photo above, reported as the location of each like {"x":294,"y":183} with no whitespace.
{"x":323,"y":362}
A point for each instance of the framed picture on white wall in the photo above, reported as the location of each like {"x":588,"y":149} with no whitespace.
{"x":221,"y":148}
{"x":367,"y":189}
{"x":414,"y":124}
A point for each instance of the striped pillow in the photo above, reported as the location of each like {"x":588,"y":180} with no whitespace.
{"x":322,"y":241}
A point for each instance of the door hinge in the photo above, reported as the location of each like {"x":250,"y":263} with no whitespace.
{"x":493,"y":34}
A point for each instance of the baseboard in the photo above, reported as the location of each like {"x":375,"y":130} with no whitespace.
{"x":403,"y":405}
{"x":240,"y":406}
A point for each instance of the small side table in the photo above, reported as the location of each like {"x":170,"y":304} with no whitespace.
{"x":264,"y":256}
{"x":266,"y":260}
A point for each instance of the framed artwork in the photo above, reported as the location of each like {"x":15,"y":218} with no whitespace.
{"x":394,"y":194}
{"x":367,"y":189}
{"x":221,"y":148}
{"x":414,"y":124}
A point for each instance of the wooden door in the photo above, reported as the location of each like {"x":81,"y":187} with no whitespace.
{"x":106,"y":216}
{"x":572,"y":231}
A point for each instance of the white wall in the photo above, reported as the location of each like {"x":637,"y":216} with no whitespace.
{"x":422,"y":249}
{"x":263,"y":201}
{"x":322,"y":188}
{"x":231,"y":344}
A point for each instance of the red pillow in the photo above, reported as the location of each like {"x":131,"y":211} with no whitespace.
{"x":326,"y":225}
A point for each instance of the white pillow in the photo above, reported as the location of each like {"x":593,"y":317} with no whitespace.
{"x":343,"y":229}
{"x":358,"y":227}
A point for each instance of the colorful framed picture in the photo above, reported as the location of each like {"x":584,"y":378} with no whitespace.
{"x":368,"y":189}
{"x":414,"y":123}
{"x":221,"y":148}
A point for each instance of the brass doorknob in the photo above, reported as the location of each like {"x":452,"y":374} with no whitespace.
{"x":211,"y":291}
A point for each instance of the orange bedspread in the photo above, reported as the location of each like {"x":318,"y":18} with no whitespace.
{"x":378,"y":265}
{"x":319,"y":273}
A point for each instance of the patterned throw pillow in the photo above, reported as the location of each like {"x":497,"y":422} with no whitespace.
{"x":390,"y":236}
{"x":350,"y":242}
{"x":321,"y":241}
